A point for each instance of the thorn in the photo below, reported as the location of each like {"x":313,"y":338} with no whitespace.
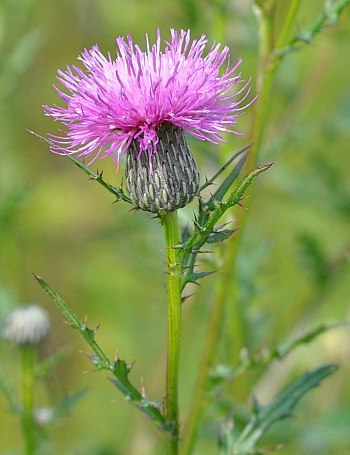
{"x":222,"y":226}
{"x":95,"y":329}
{"x":93,"y":359}
{"x":240,"y":203}
{"x":143,"y":390}
{"x":187,"y":267}
{"x":205,"y":252}
{"x":198,"y":226}
{"x":130,"y":365}
{"x":186,"y":297}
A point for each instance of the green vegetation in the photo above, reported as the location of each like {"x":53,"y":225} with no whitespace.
{"x":290,"y":288}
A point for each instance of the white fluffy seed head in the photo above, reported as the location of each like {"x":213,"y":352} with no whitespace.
{"x":27,"y":325}
{"x":43,"y":416}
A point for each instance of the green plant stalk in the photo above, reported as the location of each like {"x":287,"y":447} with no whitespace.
{"x":266,"y":68}
{"x":116,"y":191}
{"x":119,"y":368}
{"x":331,"y":13}
{"x":217,"y":313}
{"x":173,"y":268}
{"x":267,"y":64}
{"x":288,"y":23}
{"x":28,"y":427}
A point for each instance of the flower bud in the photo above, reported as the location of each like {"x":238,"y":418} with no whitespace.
{"x":168,"y":178}
{"x":27,"y":325}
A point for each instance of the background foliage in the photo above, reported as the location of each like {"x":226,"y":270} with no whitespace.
{"x":108,"y":262}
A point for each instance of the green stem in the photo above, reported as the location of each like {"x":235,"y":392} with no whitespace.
{"x":288,"y":23}
{"x":171,"y":232}
{"x":118,"y":367}
{"x":331,"y":13}
{"x":266,"y":66}
{"x":28,"y":355}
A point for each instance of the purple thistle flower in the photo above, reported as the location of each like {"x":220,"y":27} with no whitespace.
{"x":116,"y":101}
{"x":128,"y":103}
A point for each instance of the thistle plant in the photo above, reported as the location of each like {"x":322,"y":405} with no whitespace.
{"x":137,"y":108}
{"x":27,"y":327}
{"x":141,"y":104}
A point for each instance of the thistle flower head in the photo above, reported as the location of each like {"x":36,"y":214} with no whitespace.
{"x":116,"y":101}
{"x":26,"y":325}
{"x":44,"y":416}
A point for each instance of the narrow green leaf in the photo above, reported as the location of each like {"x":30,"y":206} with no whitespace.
{"x":224,"y":167}
{"x":280,"y":408}
{"x":121,"y":372}
{"x":206,"y":229}
{"x":116,"y":191}
{"x":329,"y":16}
{"x":199,"y":236}
{"x":249,"y":360}
{"x":284,"y":349}
{"x":119,"y":368}
{"x":68,"y":404}
{"x":195,"y":276}
{"x":67,"y":312}
{"x":220,"y":236}
{"x":226,"y":184}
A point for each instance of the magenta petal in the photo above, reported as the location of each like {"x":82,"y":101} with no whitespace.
{"x":112,"y":102}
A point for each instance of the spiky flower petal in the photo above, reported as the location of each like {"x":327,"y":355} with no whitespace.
{"x":114,"y":103}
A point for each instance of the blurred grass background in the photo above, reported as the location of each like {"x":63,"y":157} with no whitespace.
{"x":108,"y":263}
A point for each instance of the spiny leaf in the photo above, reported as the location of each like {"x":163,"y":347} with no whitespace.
{"x":119,"y":368}
{"x":206,"y":223}
{"x":226,"y":184}
{"x":329,"y":16}
{"x":220,"y":236}
{"x":67,"y":312}
{"x":283,"y":405}
{"x":200,"y":235}
{"x":225,"y":166}
{"x":151,"y":408}
{"x":116,"y":191}
{"x":68,"y":403}
{"x":280,"y":408}
{"x":195,"y":276}
{"x":248,"y":361}
{"x":121,"y":372}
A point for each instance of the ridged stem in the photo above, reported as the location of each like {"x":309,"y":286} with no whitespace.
{"x":173,"y":268}
{"x":28,"y":355}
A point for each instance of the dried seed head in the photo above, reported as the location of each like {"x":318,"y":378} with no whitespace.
{"x":27,"y":325}
{"x":166,"y":180}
